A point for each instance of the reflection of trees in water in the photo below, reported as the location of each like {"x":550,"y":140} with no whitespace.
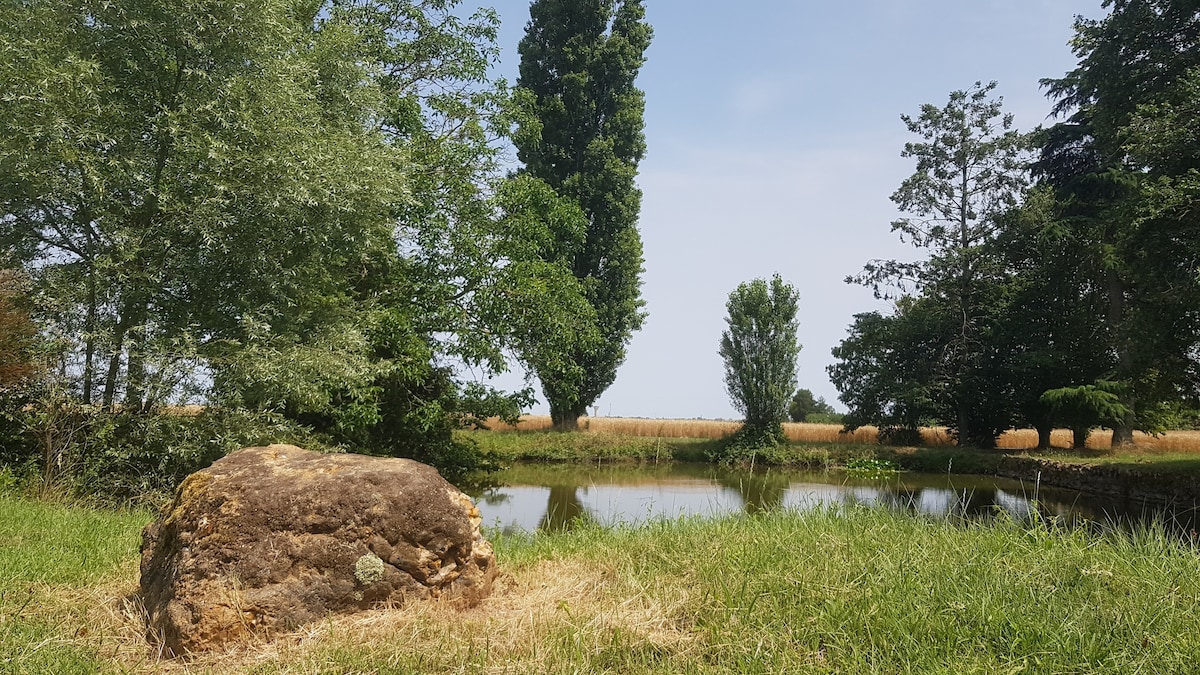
{"x":925,"y":500}
{"x":563,"y":508}
{"x":492,"y":496}
{"x":965,"y":497}
{"x":759,"y":492}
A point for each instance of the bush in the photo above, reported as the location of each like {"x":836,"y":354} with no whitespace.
{"x":132,"y":458}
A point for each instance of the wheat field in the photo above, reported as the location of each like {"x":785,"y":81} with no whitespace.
{"x":1019,"y":439}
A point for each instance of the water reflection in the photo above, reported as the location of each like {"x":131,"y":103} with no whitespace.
{"x":541,"y":497}
{"x":563,"y":508}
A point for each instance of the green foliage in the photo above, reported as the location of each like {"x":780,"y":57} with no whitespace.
{"x":804,"y":406}
{"x":825,"y":418}
{"x":130,"y":458}
{"x":289,"y":211}
{"x":759,"y":349}
{"x":872,"y":468}
{"x":970,"y":171}
{"x":885,"y":370}
{"x":1122,"y":162}
{"x":1085,"y":407}
{"x":585,"y":139}
{"x":1048,"y":327}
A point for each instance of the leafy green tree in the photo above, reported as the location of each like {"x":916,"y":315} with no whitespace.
{"x":1048,"y":331}
{"x":971,"y":169}
{"x":579,"y":61}
{"x":1123,"y":178}
{"x":173,"y":173}
{"x":1082,"y":408}
{"x":804,"y":404}
{"x":302,"y":207}
{"x":886,"y":369}
{"x":759,"y":349}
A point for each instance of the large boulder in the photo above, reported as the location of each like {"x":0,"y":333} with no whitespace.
{"x":270,"y":538}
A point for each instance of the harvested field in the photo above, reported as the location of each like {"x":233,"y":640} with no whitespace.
{"x":1171,"y":441}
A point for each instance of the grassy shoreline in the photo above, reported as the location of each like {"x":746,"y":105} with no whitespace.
{"x":859,"y":590}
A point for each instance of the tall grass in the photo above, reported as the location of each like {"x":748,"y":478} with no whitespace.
{"x":1020,"y":439}
{"x":857,"y":590}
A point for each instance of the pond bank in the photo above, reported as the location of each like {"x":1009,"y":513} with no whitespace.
{"x":1161,"y":478}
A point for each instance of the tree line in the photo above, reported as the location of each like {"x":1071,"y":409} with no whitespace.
{"x":1060,"y":279}
{"x":301,"y":217}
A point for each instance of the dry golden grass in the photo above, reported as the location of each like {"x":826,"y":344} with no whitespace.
{"x":515,"y":628}
{"x":1019,"y":439}
{"x":107,"y":618}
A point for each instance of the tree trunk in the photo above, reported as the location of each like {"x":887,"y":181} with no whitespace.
{"x":964,"y":426}
{"x":1043,"y":433}
{"x":114,"y":370}
{"x":1079,"y":438}
{"x":1122,"y":436}
{"x":89,"y":349}
{"x":566,"y":418}
{"x":1122,"y":433}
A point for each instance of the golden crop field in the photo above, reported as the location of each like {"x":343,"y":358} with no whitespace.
{"x":1172,"y":441}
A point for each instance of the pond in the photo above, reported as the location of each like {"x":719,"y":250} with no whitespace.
{"x":539,"y":497}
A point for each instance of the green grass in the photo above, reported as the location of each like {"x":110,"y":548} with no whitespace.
{"x":861,"y":590}
{"x":48,"y":554}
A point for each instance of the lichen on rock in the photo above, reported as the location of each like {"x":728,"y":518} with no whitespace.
{"x":368,"y":569}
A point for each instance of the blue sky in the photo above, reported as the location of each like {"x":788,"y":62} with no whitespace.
{"x":774,"y":139}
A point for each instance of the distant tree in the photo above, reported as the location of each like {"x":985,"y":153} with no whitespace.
{"x":886,"y":369}
{"x":759,"y":349}
{"x":579,"y":61}
{"x":971,"y":169}
{"x":804,"y":404}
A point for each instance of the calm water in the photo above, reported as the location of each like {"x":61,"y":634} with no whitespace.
{"x":549,"y":497}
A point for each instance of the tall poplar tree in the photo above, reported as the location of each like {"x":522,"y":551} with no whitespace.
{"x":759,"y":349}
{"x":579,"y":60}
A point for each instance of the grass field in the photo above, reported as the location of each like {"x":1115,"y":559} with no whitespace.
{"x":863,"y":591}
{"x":1171,"y":441}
